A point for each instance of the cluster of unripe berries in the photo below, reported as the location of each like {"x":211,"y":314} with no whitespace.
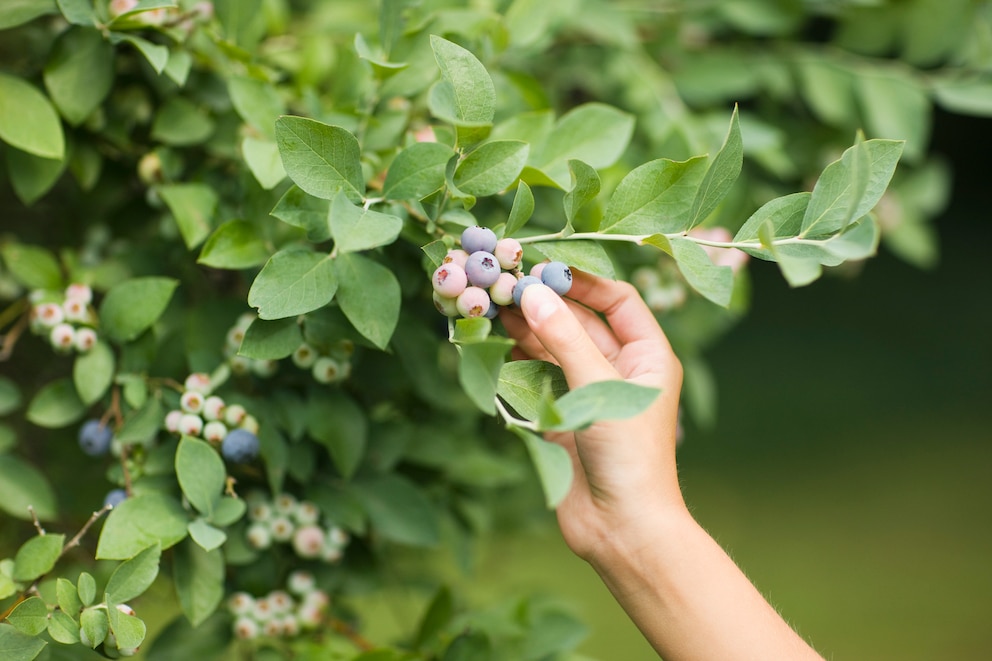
{"x":284,"y":519}
{"x":476,"y":279}
{"x":326,"y":368}
{"x":65,"y":318}
{"x":110,"y":647}
{"x":207,"y":416}
{"x":281,"y":613}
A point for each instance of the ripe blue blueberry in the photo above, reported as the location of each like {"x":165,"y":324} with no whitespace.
{"x":482,"y":269}
{"x":114,"y":497}
{"x":94,"y":438}
{"x":558,"y":276}
{"x":478,"y":238}
{"x":522,"y":284}
{"x":239,"y":446}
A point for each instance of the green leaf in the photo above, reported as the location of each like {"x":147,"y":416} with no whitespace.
{"x":257,"y":102}
{"x":132,"y":577}
{"x":19,"y":12}
{"x":228,"y":511}
{"x":469,"y":646}
{"x":234,"y":245}
{"x":471,"y":330}
{"x":588,"y":256}
{"x":93,"y":373}
{"x":30,"y":616}
{"x":585,"y":188}
{"x":437,"y":616}
{"x":896,"y":105}
{"x":21,"y":485}
{"x":27,"y":119}
{"x":492,"y":167}
{"x":521,"y":211}
{"x":655,"y":197}
{"x":264,"y":161}
{"x":553,"y":465}
{"x":271,"y":340}
{"x":132,"y":306}
{"x":139,"y":522}
{"x":417,"y":171}
{"x":79,"y":72}
{"x":8,"y":439}
{"x":181,"y":640}
{"x":10,"y":396}
{"x":63,"y":629}
{"x":142,"y":425}
{"x":157,"y":56}
{"x":56,"y":405}
{"x":32,"y":176}
{"x":178,"y":67}
{"x":374,"y":316}
{"x":78,"y":12}
{"x":714,"y":282}
{"x":243,"y":21}
{"x":128,"y":629}
{"x":523,"y":383}
{"x":356,"y":228}
{"x":205,"y":535}
{"x":602,"y":400}
{"x":32,"y":266}
{"x":193,"y":207}
{"x":339,"y":424}
{"x":305,"y":211}
{"x":180,"y":123}
{"x":16,"y":646}
{"x":436,"y":252}
{"x":68,"y":597}
{"x":86,"y":586}
{"x":201,"y":473}
{"x":199,"y":580}
{"x":37,"y":557}
{"x":844,"y":192}
{"x":398,"y":510}
{"x":965,"y":96}
{"x":468,"y":90}
{"x":293,"y":282}
{"x":478,"y":370}
{"x":95,"y":624}
{"x":321,"y":159}
{"x":594,"y":133}
{"x":720,"y":176}
{"x":786,"y":214}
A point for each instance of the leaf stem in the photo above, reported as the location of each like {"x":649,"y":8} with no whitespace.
{"x":639,"y":239}
{"x":511,"y":420}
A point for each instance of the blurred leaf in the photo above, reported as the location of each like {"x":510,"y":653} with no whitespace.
{"x":32,"y":176}
{"x":521,"y":211}
{"x":17,"y":646}
{"x":271,"y":340}
{"x":32,"y":266}
{"x":966,"y":96}
{"x":29,"y":617}
{"x":356,"y":228}
{"x":439,"y":612}
{"x":594,"y":133}
{"x":469,"y":646}
{"x":293,"y":282}
{"x":714,"y":282}
{"x":339,"y":424}
{"x":79,"y":72}
{"x":399,"y":511}
{"x":720,"y":176}
{"x":585,"y":188}
{"x":257,"y":102}
{"x":654,"y":198}
{"x":828,"y":87}
{"x":201,"y":473}
{"x":243,"y":21}
{"x":180,"y":123}
{"x":193,"y":206}
{"x":27,"y":119}
{"x":18,"y":12}
{"x":552,"y":463}
{"x":181,"y":640}
{"x":321,"y":159}
{"x":588,"y":256}
{"x":205,"y":535}
{"x":157,"y":56}
{"x":132,"y":306}
{"x":56,"y":405}
{"x":21,"y":484}
{"x":139,"y":522}
{"x":896,"y":105}
{"x":478,"y":370}
{"x":234,"y":245}
{"x":37,"y":557}
{"x":93,"y":373}
{"x":417,"y":171}
{"x":264,"y":161}
{"x":132,"y":577}
{"x":142,"y":425}
{"x":375,"y":317}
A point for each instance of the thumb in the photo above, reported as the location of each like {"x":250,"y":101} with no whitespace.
{"x":561,"y":333}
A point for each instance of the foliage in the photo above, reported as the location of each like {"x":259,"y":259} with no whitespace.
{"x":223,"y":218}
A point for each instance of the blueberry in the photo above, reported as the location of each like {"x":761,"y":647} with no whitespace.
{"x":478,"y":238}
{"x":449,"y":280}
{"x":114,"y":497}
{"x":522,"y":284}
{"x":473,"y":302}
{"x":94,"y":438}
{"x":502,"y":291}
{"x":482,"y":269}
{"x":558,"y":276}
{"x":239,"y":446}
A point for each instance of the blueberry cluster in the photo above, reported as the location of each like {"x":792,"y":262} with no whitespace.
{"x":207,"y":416}
{"x":476,"y":279}
{"x":281,"y":613}
{"x":66,"y":318}
{"x":330,"y":367}
{"x":285,"y":519}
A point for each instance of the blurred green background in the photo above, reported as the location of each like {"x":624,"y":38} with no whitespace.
{"x":850,"y":471}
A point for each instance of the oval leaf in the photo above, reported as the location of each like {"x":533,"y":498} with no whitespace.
{"x":356,"y":228}
{"x":27,"y":119}
{"x":321,"y":159}
{"x":201,"y":473}
{"x":417,"y":171}
{"x":234,"y":245}
{"x":132,"y":306}
{"x":132,"y":577}
{"x":492,"y":167}
{"x":21,"y":485}
{"x":37,"y":557}
{"x":139,"y":522}
{"x":293,"y":282}
{"x":93,"y":372}
{"x":56,"y":405}
{"x":375,"y":316}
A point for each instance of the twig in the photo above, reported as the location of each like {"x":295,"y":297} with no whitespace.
{"x":346,"y":630}
{"x":10,"y":339}
{"x":74,"y":542}
{"x":34,"y":518}
{"x":127,"y":473}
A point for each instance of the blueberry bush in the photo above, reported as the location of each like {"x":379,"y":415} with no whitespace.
{"x":252,"y":254}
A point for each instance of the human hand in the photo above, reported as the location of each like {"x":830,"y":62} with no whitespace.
{"x":624,"y":469}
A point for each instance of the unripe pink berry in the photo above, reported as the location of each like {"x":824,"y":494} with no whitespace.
{"x":245,"y":628}
{"x":290,"y":625}
{"x":118,"y":7}
{"x":280,"y":601}
{"x":446,"y":306}
{"x":241,"y":603}
{"x":80,"y":292}
{"x":190,"y":424}
{"x":234,"y":414}
{"x":191,"y":401}
{"x":473,"y":302}
{"x":215,"y":431}
{"x":240,"y":365}
{"x":259,"y":536}
{"x":337,"y":536}
{"x":305,"y":356}
{"x":75,"y":310}
{"x":260,"y":512}
{"x":213,"y":408}
{"x":306,"y":513}
{"x":456,"y":256}
{"x":282,"y":529}
{"x":264,"y":368}
{"x":326,"y":370}
{"x":285,"y":503}
{"x":273,"y":627}
{"x":62,"y":337}
{"x":85,"y":339}
{"x":250,"y":423}
{"x":301,"y":582}
{"x":235,"y":336}
{"x":449,"y":280}
{"x":508,"y":252}
{"x":317,"y":599}
{"x":172,"y":421}
{"x":48,"y":315}
{"x":198,"y":381}
{"x":537,"y":268}
{"x":124,"y":608}
{"x":501,"y":292}
{"x":308,"y":541}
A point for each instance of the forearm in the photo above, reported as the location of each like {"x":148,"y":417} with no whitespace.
{"x":689,"y":598}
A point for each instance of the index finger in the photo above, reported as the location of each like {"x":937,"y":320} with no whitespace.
{"x":626,"y":312}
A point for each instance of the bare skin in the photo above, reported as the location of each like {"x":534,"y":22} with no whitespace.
{"x":625,"y":514}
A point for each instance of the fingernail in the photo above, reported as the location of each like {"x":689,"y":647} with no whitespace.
{"x":540,"y":302}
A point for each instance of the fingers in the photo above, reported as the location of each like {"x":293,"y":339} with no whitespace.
{"x":561,"y":333}
{"x":621,"y":304}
